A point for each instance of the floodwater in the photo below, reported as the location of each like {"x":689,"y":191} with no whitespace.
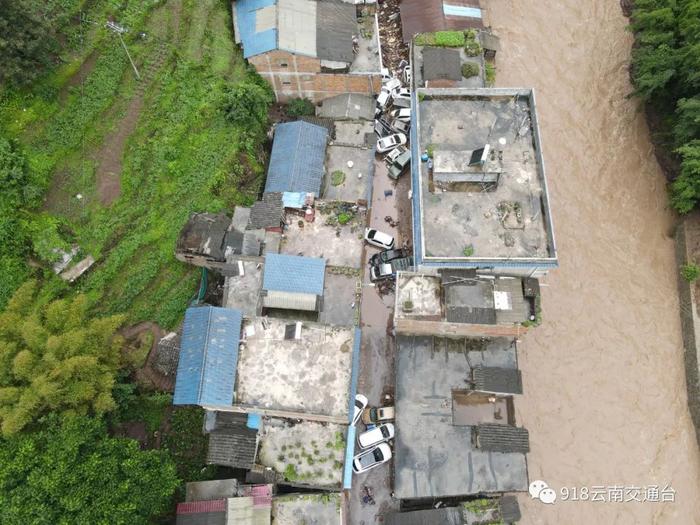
{"x":605,"y":399}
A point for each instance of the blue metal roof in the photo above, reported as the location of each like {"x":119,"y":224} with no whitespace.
{"x":254,"y":43}
{"x":294,"y":274}
{"x":293,"y":199}
{"x":206,"y":371}
{"x":297,"y":158}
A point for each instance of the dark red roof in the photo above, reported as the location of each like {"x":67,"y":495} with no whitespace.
{"x":197,"y":507}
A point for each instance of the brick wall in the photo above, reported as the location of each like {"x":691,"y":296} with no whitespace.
{"x":293,"y":76}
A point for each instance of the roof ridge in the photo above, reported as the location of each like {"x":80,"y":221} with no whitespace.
{"x":205,"y":354}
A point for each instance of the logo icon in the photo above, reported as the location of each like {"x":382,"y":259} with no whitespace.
{"x":540,"y":490}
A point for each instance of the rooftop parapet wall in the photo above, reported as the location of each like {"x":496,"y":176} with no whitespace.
{"x":507,"y":225}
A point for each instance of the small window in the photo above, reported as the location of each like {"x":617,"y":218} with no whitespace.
{"x":284,"y":64}
{"x":286,"y":83}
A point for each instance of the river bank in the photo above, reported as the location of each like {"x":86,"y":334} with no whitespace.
{"x":605,"y":398}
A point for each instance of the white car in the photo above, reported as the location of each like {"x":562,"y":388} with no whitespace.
{"x":371,"y":458}
{"x":403,"y":114}
{"x":380,"y":272}
{"x":376,"y":435}
{"x":379,"y":239}
{"x":392,"y":141}
{"x":361,"y":403}
{"x":392,"y":85}
{"x":383,"y":99}
{"x":403,"y":93}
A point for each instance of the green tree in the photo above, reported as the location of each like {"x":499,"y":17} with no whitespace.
{"x":247,"y":103}
{"x":27,"y":40}
{"x":54,"y":358}
{"x":71,"y":472}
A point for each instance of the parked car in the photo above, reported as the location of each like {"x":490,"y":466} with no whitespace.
{"x":401,"y":114}
{"x":401,"y":264}
{"x":403,"y":93}
{"x":388,"y":143}
{"x":399,"y":164}
{"x":401,"y":103}
{"x":380,"y":272}
{"x":399,"y":126}
{"x":407,"y":75}
{"x":387,"y":256}
{"x":383,"y":127}
{"x":375,"y":436}
{"x":394,"y":154}
{"x":383,"y":99}
{"x":361,"y":403}
{"x":376,"y":415}
{"x":371,"y":458}
{"x":392,"y":85}
{"x":379,"y":239}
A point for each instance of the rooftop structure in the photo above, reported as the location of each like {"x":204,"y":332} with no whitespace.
{"x":267,"y":213}
{"x":295,"y":509}
{"x":310,"y":48}
{"x":296,"y":369}
{"x":348,"y":106}
{"x":208,"y":356}
{"x":297,"y":158}
{"x":242,"y":290}
{"x":428,"y":16}
{"x":440,"y":67}
{"x":484,"y":204}
{"x":460,"y":303}
{"x":292,"y":282}
{"x":439,"y":416}
{"x":233,"y":442}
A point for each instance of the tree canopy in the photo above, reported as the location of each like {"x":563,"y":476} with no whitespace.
{"x":666,"y":74}
{"x":72,"y":473}
{"x":54,"y":358}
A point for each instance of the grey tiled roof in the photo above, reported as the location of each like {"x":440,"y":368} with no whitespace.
{"x":446,"y":516}
{"x":204,"y":235}
{"x":336,"y":22}
{"x":510,"y":510}
{"x":233,"y":447}
{"x":267,"y":213}
{"x":502,"y":438}
{"x":441,"y":63}
{"x":470,"y":314}
{"x":497,"y":380}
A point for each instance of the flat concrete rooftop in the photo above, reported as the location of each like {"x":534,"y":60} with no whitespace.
{"x":306,"y":453}
{"x":310,"y":375}
{"x":242,"y":291}
{"x":459,"y":216}
{"x":340,"y":244}
{"x":433,"y":452}
{"x":295,"y":509}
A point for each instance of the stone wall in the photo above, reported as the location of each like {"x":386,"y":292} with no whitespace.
{"x":687,"y":236}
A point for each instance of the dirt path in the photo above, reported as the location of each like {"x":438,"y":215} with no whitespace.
{"x":605,"y":399}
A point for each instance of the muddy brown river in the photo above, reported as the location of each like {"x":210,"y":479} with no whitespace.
{"x":605,"y":399}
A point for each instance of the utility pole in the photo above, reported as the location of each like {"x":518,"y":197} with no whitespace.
{"x":116,"y":28}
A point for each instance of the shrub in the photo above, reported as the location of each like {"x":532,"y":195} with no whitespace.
{"x":690,"y":272}
{"x":450,"y":38}
{"x":246,"y":105}
{"x":344,"y":218}
{"x":430,"y":150}
{"x":490,"y":74}
{"x":468,"y":250}
{"x":300,"y":107}
{"x":472,"y":47}
{"x":337,"y":178}
{"x":470,"y":69}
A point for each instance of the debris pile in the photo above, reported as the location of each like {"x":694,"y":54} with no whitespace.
{"x":393,"y":48}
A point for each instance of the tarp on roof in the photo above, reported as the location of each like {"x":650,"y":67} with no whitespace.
{"x":292,"y":273}
{"x":336,"y":23}
{"x":297,"y":158}
{"x":255,"y":21}
{"x":208,"y":356}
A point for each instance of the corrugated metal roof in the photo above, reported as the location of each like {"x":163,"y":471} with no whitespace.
{"x":255,"y":41}
{"x":208,"y":356}
{"x":336,"y":23}
{"x":497,"y":380}
{"x":294,"y":199}
{"x":297,"y":158}
{"x":291,"y":301}
{"x":291,"y":273}
{"x":502,"y":438}
{"x":295,"y":18}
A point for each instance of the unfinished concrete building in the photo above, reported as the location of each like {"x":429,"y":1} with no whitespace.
{"x":312,"y":49}
{"x":480,"y":196}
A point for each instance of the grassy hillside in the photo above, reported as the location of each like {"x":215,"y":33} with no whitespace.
{"x":120,"y":163}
